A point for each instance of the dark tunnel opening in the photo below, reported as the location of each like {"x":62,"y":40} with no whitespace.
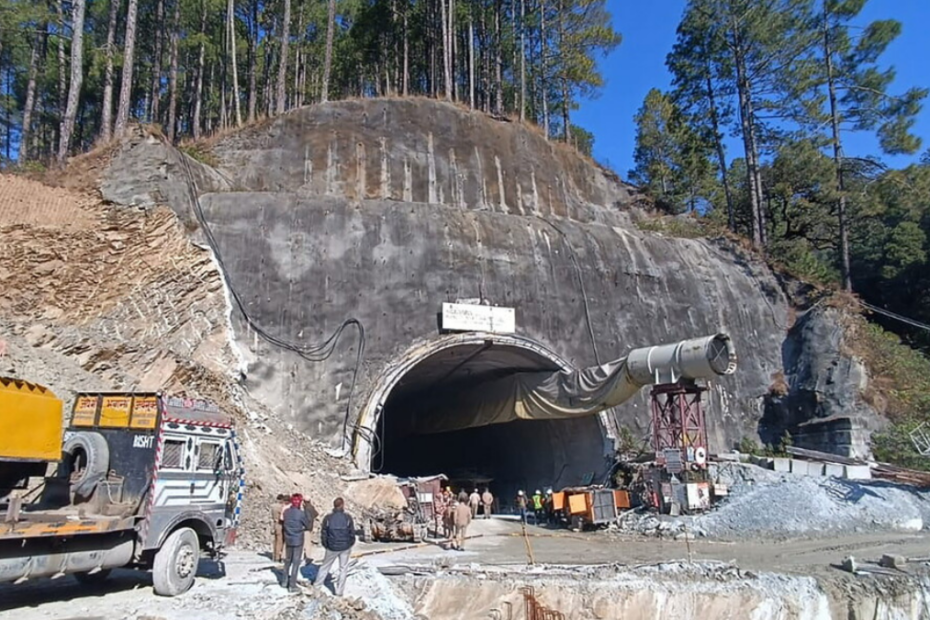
{"x":524,"y":454}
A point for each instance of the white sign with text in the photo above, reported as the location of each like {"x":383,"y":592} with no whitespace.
{"x":475,"y":318}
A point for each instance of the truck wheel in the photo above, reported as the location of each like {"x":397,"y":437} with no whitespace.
{"x":93,"y":579}
{"x":89,"y":458}
{"x":176,"y":563}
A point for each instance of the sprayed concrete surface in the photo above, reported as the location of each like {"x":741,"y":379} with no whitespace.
{"x":384,"y":209}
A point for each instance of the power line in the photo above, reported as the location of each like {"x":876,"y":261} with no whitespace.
{"x":892,"y":315}
{"x":313,"y":353}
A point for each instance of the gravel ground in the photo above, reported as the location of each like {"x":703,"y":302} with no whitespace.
{"x":803,"y":506}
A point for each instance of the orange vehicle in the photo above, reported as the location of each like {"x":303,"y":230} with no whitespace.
{"x":582,"y":507}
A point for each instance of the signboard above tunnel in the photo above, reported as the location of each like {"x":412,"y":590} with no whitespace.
{"x":475,"y":318}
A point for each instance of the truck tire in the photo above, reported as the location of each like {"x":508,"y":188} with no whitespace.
{"x":92,"y":451}
{"x":176,"y":563}
{"x":93,"y":579}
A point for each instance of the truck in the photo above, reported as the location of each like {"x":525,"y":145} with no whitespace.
{"x":136,"y":480}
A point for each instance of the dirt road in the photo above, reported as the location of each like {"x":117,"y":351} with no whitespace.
{"x":249,"y":588}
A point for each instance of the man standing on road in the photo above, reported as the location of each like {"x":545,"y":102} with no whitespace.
{"x":538,"y":506}
{"x":462,"y":518}
{"x":521,"y":506}
{"x":487,"y":501}
{"x":277,"y":511}
{"x":338,"y":537}
{"x":312,"y":514}
{"x":474,"y":500}
{"x":294,"y":523}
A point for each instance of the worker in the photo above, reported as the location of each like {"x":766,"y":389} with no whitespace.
{"x":538,"y":506}
{"x":487,"y":501}
{"x":338,"y":537}
{"x":474,"y":500}
{"x":462,"y":518}
{"x":448,"y":504}
{"x":550,"y":510}
{"x":277,"y":510}
{"x":294,"y":523}
{"x":312,"y":514}
{"x":521,"y":505}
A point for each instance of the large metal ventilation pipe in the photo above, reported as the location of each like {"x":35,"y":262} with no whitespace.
{"x":698,"y":358}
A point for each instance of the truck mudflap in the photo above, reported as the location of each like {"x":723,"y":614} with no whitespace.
{"x":35,"y":558}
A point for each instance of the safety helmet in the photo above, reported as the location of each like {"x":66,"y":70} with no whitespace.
{"x":475,"y":491}
{"x":548,"y":491}
{"x":519,"y":492}
{"x":538,"y":492}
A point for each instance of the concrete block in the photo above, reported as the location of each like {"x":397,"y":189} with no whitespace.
{"x":849,"y":564}
{"x":893,"y":561}
{"x":858,"y":472}
{"x":781,"y":464}
{"x":799,"y":467}
{"x":834,"y":469}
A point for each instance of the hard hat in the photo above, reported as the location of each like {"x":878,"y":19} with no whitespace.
{"x":538,"y":492}
{"x":475,"y":491}
{"x":519,"y":492}
{"x":548,"y":491}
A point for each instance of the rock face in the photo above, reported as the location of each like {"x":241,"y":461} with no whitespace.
{"x":383,"y":210}
{"x":821,"y":401}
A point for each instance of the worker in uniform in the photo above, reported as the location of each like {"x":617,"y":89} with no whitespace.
{"x":294,"y":523}
{"x":277,"y":511}
{"x":448,"y":506}
{"x":538,"y":506}
{"x":487,"y":501}
{"x":474,"y":500}
{"x":521,"y":505}
{"x":550,"y":510}
{"x":461,"y":519}
{"x":312,"y":514}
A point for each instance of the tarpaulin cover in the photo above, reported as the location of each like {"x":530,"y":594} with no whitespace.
{"x":544,"y":395}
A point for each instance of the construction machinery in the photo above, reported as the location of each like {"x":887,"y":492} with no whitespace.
{"x":137,"y":480}
{"x":585,"y":507}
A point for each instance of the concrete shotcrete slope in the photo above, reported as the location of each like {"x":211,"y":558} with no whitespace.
{"x":384,"y":209}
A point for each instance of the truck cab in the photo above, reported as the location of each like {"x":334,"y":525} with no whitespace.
{"x":144,"y":480}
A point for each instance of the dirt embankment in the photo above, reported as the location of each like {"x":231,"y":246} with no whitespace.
{"x":99,"y":297}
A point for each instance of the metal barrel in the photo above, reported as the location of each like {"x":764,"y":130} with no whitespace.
{"x":696,"y":358}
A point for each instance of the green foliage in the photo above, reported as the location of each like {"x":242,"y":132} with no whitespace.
{"x":748,"y":445}
{"x":379,"y":46}
{"x":199,"y":152}
{"x":583,"y":140}
{"x":672,"y":161}
{"x":681,"y":227}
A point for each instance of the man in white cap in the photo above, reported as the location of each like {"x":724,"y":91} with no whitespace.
{"x":521,"y":505}
{"x":474,"y":500}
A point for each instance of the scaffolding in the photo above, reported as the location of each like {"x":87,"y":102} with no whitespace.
{"x":678,"y":431}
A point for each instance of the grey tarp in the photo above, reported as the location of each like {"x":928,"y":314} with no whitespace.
{"x":529,"y":396}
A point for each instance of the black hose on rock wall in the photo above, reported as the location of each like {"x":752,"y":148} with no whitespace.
{"x":313,"y":353}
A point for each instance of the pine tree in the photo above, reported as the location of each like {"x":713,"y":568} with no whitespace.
{"x":857,"y":97}
{"x":671,"y":159}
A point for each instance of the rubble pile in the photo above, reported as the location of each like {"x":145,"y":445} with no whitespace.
{"x":800,"y":506}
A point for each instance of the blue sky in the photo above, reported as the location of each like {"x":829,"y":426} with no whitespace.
{"x":638,"y":64}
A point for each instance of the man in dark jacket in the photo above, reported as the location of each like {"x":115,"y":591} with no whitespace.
{"x":294,"y":523}
{"x":337,"y":536}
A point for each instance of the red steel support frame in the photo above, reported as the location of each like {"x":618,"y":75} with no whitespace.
{"x":678,"y":419}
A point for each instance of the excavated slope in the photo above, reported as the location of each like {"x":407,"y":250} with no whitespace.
{"x":384,"y":209}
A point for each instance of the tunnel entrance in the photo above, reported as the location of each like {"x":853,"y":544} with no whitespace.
{"x":524,"y":454}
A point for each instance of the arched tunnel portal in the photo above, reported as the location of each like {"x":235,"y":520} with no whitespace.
{"x":523,"y":454}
